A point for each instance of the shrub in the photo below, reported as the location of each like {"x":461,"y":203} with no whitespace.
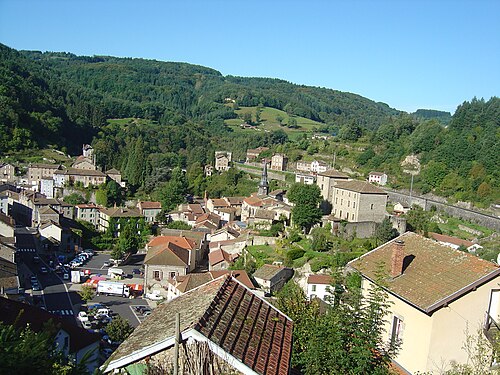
{"x":295,"y":253}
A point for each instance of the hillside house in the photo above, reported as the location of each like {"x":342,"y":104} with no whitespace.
{"x":377,"y":178}
{"x":83,"y":176}
{"x":357,"y":201}
{"x":327,"y":181}
{"x":115,"y":175}
{"x":401,"y":209}
{"x":183,"y":284}
{"x":222,"y":160}
{"x":85,"y":163}
{"x":319,"y":286}
{"x":7,"y":172}
{"x":38,"y":171}
{"x":88,"y":212}
{"x":195,"y":248}
{"x":253,"y":153}
{"x":222,"y":316}
{"x":318,"y":166}
{"x":436,"y":296}
{"x":46,"y":187}
{"x":106,"y":215}
{"x":208,"y":170}
{"x":454,"y":242}
{"x":149,"y":210}
{"x":220,"y":260}
{"x":303,"y":178}
{"x":303,"y":166}
{"x":272,"y":278}
{"x":279,"y":162}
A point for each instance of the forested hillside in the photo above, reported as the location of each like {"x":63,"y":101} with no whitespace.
{"x":147,"y":117}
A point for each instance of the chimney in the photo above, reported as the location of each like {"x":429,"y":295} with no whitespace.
{"x":397,"y":258}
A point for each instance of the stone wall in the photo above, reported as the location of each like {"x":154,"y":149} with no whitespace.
{"x":485,"y":220}
{"x":363,"y":229}
{"x":261,"y":240}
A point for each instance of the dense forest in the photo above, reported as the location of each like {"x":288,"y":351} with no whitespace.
{"x":173,"y":115}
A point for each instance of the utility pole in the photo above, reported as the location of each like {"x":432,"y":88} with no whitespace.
{"x":176,"y":342}
{"x":334,"y":158}
{"x":411,"y":188}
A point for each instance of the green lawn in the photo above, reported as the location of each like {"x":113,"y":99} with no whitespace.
{"x":269,"y":122}
{"x":263,"y":254}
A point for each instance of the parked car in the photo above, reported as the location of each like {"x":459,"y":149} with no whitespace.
{"x":36,"y":287}
{"x":83,"y":317}
{"x":96,"y":306}
{"x":106,"y":264}
{"x":44,"y":270}
{"x":136,"y":271}
{"x":86,"y":324}
{"x":65,"y":276}
{"x":154,"y":296}
{"x":33,"y":279}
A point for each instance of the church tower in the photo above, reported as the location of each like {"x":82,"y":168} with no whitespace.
{"x":263,"y":185}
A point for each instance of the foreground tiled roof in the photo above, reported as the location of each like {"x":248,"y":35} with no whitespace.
{"x":219,"y":255}
{"x":360,"y":187}
{"x":20,"y":314}
{"x":227,"y":314}
{"x":433,"y":274}
{"x":194,"y":280}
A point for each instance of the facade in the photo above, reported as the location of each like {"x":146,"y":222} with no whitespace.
{"x":85,"y":163}
{"x":303,"y":178}
{"x":115,"y":175}
{"x":357,"y":201}
{"x":271,"y":278}
{"x":327,"y":181}
{"x":7,"y":172}
{"x":377,"y":178}
{"x":107,"y":214}
{"x":89,"y":213}
{"x":226,"y":318}
{"x":38,"y":171}
{"x":319,"y":286}
{"x":222,"y":160}
{"x":208,"y":170}
{"x":303,"y":166}
{"x":83,"y":176}
{"x":279,"y":162}
{"x":149,"y":210}
{"x":318,"y":166}
{"x":47,"y":187}
{"x":437,"y":296}
{"x":253,"y":153}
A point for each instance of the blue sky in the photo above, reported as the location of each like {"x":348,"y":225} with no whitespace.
{"x":408,"y":54}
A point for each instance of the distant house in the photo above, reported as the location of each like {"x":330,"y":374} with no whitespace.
{"x":437,"y":297}
{"x":149,"y":210}
{"x":222,"y":160}
{"x":308,"y":179}
{"x":194,"y":247}
{"x":253,"y":153}
{"x":183,"y":284}
{"x":454,"y":242}
{"x":59,"y":237}
{"x":9,"y":279}
{"x":107,"y":214}
{"x":7,"y":225}
{"x":220,"y":260}
{"x":208,"y":170}
{"x":89,"y":213}
{"x":38,"y":171}
{"x":47,"y":187}
{"x":216,"y":203}
{"x":7,"y":172}
{"x":303,"y":166}
{"x":242,"y":333}
{"x":327,"y":181}
{"x":319,"y":286}
{"x":83,"y":176}
{"x":318,"y":166}
{"x":164,"y":262}
{"x":85,"y":163}
{"x":271,"y":278}
{"x":377,"y":178}
{"x":69,"y":339}
{"x":115,"y":175}
{"x":401,"y":209}
{"x":279,"y":162}
{"x":357,"y":201}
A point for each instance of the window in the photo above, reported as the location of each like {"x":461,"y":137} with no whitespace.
{"x":157,"y":275}
{"x":371,"y":206}
{"x":353,"y":204}
{"x":313,"y":288}
{"x":347,"y":215}
{"x":397,"y":329}
{"x":172,"y":275}
{"x":348,"y":203}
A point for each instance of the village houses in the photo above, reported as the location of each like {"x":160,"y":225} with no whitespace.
{"x":222,"y":160}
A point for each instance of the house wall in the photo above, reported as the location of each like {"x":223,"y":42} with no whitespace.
{"x":321,"y":290}
{"x":150,"y":214}
{"x":150,"y":283}
{"x":372,"y":207}
{"x":6,"y":230}
{"x":431,"y":343}
{"x":90,"y":215}
{"x":52,"y":231}
{"x":416,"y":335}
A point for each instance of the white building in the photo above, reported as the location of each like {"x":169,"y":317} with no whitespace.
{"x":319,"y":286}
{"x":377,"y":178}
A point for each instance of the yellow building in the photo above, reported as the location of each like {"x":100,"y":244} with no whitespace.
{"x":437,"y":296}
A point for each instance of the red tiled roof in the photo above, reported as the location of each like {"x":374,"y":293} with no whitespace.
{"x":450,"y":239}
{"x":218,"y":256}
{"x":169,"y":254}
{"x":219,"y":202}
{"x":319,"y":279}
{"x":433,"y":274}
{"x":253,"y":201}
{"x":196,"y":208}
{"x":334,"y":174}
{"x":184,"y":242}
